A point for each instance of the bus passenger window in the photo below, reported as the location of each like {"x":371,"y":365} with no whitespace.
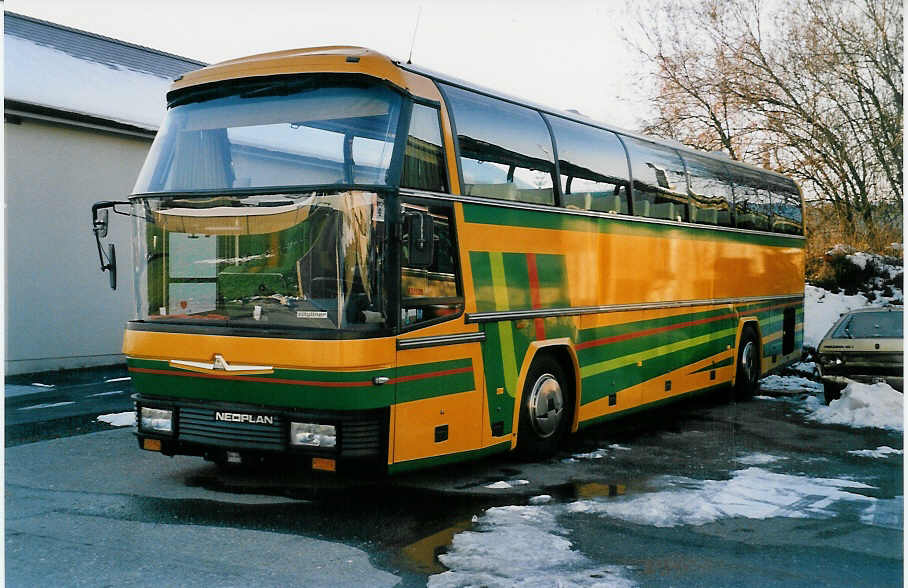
{"x":752,"y":208}
{"x":660,"y":186}
{"x":593,"y":167}
{"x":711,"y":196}
{"x":424,"y":157}
{"x":431,"y":294}
{"x":786,"y":210}
{"x":505,"y":149}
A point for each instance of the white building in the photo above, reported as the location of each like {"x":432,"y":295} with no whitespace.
{"x":80,"y":112}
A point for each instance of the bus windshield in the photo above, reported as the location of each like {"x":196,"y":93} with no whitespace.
{"x":300,"y":131}
{"x":297,"y":261}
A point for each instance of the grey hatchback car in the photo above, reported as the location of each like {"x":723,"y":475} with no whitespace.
{"x":864,"y":345}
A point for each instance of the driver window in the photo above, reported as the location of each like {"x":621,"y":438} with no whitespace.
{"x":431,"y":293}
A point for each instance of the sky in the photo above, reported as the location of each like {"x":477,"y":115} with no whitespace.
{"x":568,"y":54}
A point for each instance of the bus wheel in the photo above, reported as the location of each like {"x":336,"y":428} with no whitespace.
{"x":546,"y":409}
{"x":747,"y":380}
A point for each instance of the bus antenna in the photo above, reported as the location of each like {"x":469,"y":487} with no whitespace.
{"x":413,"y":40}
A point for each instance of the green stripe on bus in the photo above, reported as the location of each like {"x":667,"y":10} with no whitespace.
{"x":627,"y":375}
{"x":649,"y":354}
{"x":305,"y":388}
{"x":515,"y":217}
{"x":644,"y":343}
{"x":430,"y":380}
{"x":714,"y":366}
{"x":505,"y":334}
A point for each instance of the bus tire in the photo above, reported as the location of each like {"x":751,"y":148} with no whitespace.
{"x":546,"y":409}
{"x":747,"y":378}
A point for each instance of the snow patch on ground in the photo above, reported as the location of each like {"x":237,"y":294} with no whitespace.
{"x":808,"y":368}
{"x":598,"y":454}
{"x":822,"y":309}
{"x":521,"y":546}
{"x":789,"y":384}
{"x":753,"y":493}
{"x":503,"y":484}
{"x":861,"y":405}
{"x":880,"y":452}
{"x":119,"y":419}
{"x":758,"y":459}
{"x":498,"y":485}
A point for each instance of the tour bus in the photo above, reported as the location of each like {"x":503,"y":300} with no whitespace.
{"x":372,"y":266}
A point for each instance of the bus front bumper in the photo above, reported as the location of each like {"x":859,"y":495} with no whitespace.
{"x":352,"y":440}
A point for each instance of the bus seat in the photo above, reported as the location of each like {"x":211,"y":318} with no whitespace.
{"x":611,"y":204}
{"x":535,"y":195}
{"x":507,"y":191}
{"x":642,"y":207}
{"x":579,"y":200}
{"x":664,"y":210}
{"x":723,"y":218}
{"x":705,"y":216}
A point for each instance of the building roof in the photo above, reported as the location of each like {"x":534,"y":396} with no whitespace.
{"x":53,"y":68}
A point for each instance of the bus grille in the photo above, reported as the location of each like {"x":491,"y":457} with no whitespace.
{"x":198,"y":425}
{"x":361,"y":436}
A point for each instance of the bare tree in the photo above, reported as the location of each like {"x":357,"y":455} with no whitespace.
{"x":812,"y":88}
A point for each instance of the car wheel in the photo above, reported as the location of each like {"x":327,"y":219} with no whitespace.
{"x":831,"y":392}
{"x":546,"y":409}
{"x":747,"y":378}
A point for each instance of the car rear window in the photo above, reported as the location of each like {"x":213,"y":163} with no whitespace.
{"x":871,"y":325}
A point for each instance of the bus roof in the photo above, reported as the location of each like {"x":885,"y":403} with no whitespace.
{"x":352,"y":59}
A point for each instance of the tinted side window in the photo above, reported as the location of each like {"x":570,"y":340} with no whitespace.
{"x":660,"y":187}
{"x":710,"y":191}
{"x":431,"y":293}
{"x":593,"y":167}
{"x":505,"y":149}
{"x":753,"y":208}
{"x":424,"y":157}
{"x":786,"y":210}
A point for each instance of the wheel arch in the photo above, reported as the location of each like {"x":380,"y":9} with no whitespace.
{"x":743,"y":323}
{"x":562,"y":350}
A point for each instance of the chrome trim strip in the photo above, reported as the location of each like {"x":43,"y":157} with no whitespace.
{"x":439,"y":340}
{"x":587,"y":213}
{"x":512,"y":315}
{"x":219,"y":364}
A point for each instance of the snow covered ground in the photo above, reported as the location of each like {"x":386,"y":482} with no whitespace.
{"x":752,"y":493}
{"x":522,"y":546}
{"x":861,"y":405}
{"x":119,"y":419}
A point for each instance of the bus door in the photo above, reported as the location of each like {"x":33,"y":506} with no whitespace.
{"x":439,"y":404}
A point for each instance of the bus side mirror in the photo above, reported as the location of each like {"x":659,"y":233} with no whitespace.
{"x":100,"y":222}
{"x":420,"y":229}
{"x":111,"y":265}
{"x":99,"y":225}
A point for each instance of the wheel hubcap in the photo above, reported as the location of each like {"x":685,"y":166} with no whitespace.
{"x":748,"y":361}
{"x":546,"y":405}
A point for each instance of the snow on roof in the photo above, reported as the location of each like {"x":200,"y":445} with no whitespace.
{"x":65,"y":69}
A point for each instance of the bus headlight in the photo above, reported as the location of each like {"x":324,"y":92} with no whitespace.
{"x":312,"y":435}
{"x":156,"y":420}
